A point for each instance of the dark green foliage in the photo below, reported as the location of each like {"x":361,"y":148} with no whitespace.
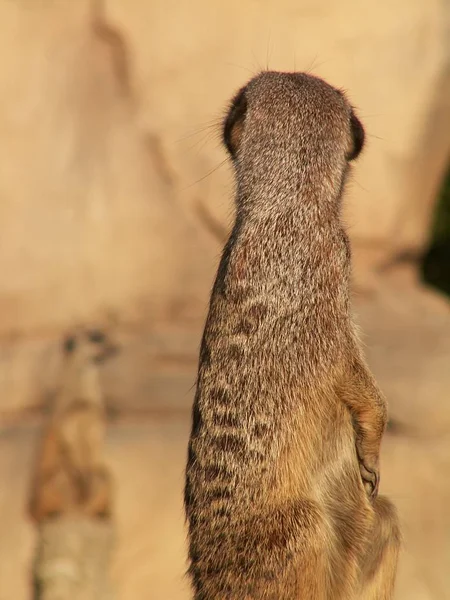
{"x":436,"y":262}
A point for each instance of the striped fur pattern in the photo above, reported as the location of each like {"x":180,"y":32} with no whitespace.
{"x":281,"y":492}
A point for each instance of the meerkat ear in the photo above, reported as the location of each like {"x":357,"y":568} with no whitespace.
{"x":234,"y":123}
{"x":358,"y":137}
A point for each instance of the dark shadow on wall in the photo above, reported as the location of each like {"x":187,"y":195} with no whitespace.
{"x":436,"y":261}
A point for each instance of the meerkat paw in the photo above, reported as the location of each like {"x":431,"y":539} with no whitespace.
{"x":370,"y":479}
{"x":369,"y":470}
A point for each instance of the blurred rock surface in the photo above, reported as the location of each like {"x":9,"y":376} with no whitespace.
{"x":114,"y":206}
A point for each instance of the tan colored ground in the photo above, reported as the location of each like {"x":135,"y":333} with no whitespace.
{"x":148,"y":461}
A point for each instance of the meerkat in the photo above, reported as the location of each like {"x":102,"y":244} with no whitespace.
{"x":70,"y":475}
{"x":281,"y":492}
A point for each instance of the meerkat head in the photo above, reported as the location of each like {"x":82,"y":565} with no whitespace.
{"x":92,"y":345}
{"x":280,"y":117}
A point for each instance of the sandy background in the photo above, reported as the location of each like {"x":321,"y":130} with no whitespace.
{"x":114,"y":203}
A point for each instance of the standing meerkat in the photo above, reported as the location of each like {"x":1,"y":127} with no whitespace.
{"x":282,"y":474}
{"x":70,"y":473}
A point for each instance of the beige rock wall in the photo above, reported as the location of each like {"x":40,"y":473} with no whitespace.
{"x":89,"y":219}
{"x":114,"y":192}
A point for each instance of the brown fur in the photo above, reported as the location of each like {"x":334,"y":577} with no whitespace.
{"x":282,"y":474}
{"x":70,"y":475}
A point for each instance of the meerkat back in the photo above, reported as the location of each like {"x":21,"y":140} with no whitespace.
{"x":287,"y":420}
{"x":70,"y":475}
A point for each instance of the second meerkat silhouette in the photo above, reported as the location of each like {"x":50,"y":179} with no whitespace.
{"x":281,"y":491}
